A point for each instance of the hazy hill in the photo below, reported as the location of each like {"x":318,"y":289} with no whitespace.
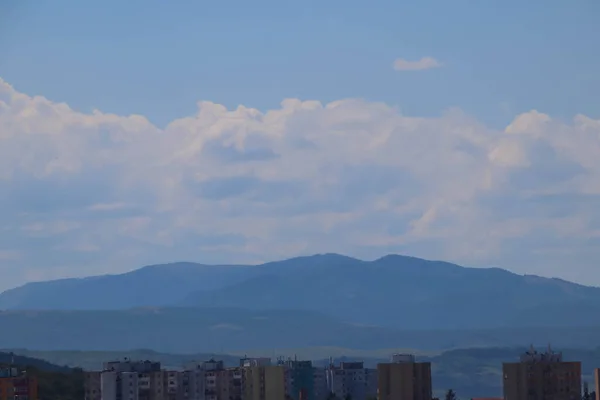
{"x":22,"y":360}
{"x":225,"y":330}
{"x":394,"y":291}
{"x":93,"y":360}
{"x":155,"y":285}
{"x":411,"y":293}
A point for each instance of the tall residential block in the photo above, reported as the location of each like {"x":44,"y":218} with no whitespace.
{"x":222,"y":383}
{"x":542,"y":376}
{"x":304,"y":380}
{"x":351,"y":379}
{"x":264,"y":382}
{"x":404,"y":379}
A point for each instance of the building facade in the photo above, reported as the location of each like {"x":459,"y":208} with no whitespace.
{"x":264,"y":382}
{"x":351,"y":379}
{"x":404,"y":379}
{"x":15,"y":384}
{"x":143,"y":380}
{"x":542,"y":376}
{"x":222,"y":383}
{"x":304,"y":379}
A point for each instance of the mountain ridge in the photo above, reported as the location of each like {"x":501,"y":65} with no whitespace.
{"x":396,"y":291}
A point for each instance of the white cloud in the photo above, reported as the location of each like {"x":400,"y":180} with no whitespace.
{"x":90,"y":193}
{"x":401,"y":64}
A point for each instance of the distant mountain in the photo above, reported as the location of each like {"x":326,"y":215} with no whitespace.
{"x":222,"y":330}
{"x":393,"y":291}
{"x":410,"y":293}
{"x":155,"y":285}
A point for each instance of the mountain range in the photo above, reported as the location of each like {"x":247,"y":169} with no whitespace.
{"x":397,"y":292}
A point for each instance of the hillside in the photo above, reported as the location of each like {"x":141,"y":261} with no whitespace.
{"x":155,"y":285}
{"x":222,"y":330}
{"x":393,"y":291}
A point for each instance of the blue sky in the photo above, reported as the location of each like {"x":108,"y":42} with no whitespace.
{"x":500,"y":58}
{"x":495,"y":62}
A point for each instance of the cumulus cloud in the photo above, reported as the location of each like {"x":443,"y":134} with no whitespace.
{"x":401,"y":64}
{"x":89,"y":193}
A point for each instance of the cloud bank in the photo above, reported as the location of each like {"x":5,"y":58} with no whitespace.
{"x":422,"y":64}
{"x":90,"y":193}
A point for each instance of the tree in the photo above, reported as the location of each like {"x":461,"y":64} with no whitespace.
{"x":587,"y":395}
{"x":450,"y":395}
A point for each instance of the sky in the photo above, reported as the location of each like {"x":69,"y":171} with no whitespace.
{"x":146,"y":131}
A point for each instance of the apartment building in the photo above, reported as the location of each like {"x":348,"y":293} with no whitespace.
{"x":351,"y":379}
{"x":93,"y":385}
{"x":255,"y":362}
{"x":264,"y":382}
{"x":305,"y":381}
{"x":193,"y":382}
{"x":15,"y":384}
{"x":222,"y":383}
{"x":143,"y":380}
{"x":404,"y":379}
{"x":542,"y":376}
